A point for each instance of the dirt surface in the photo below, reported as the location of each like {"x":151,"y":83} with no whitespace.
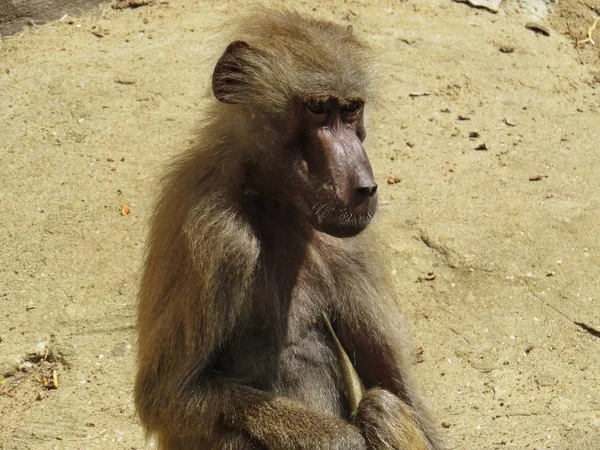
{"x":509,"y":321}
{"x":17,"y":14}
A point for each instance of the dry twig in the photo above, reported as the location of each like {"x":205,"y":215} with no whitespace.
{"x":589,"y":34}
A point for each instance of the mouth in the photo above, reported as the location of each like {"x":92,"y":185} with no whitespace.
{"x":340,"y":221}
{"x":340,"y":230}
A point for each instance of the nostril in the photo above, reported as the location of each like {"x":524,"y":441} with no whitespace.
{"x":366,"y":191}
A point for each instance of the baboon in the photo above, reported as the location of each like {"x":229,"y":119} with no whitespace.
{"x":265,"y":318}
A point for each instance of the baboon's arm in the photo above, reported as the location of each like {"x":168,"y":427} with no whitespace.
{"x":270,"y":421}
{"x":375,"y":338}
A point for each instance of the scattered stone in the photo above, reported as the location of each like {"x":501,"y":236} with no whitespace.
{"x":506,"y":49}
{"x":482,"y":147}
{"x":537,"y":177}
{"x":419,"y":355}
{"x":528,"y":349}
{"x":429,"y":277}
{"x":446,"y":424}
{"x":122,"y":4}
{"x":537,"y":28}
{"x":510,"y":123}
{"x":100,"y":32}
{"x":489,"y":5}
{"x":393,"y":180}
{"x":473,"y":135}
{"x":461,"y":117}
{"x":27,"y":366}
{"x":125,"y":81}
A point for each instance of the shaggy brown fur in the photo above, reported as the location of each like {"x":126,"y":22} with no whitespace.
{"x":234,"y":350}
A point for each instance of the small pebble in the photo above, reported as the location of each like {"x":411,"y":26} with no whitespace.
{"x":537,"y":28}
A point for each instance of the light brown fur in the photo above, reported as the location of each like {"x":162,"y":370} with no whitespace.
{"x":233,"y":349}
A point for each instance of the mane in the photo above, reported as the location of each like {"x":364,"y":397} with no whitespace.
{"x":290,"y":54}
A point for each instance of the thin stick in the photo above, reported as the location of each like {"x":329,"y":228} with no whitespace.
{"x":351,"y":378}
{"x":88,"y":438}
{"x":589,"y":33}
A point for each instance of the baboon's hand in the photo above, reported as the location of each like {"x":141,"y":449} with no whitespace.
{"x":339,"y":437}
{"x":281,"y":423}
{"x":387,"y":423}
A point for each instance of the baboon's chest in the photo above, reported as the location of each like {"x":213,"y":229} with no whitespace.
{"x":289,"y":351}
{"x":308,"y":367}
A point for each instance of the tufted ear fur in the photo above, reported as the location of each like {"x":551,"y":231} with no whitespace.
{"x":228,"y":77}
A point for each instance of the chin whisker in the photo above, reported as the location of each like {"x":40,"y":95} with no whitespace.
{"x":339,"y":216}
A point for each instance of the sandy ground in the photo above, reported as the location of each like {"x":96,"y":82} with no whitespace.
{"x":509,"y":327}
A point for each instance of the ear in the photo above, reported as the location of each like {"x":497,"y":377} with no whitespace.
{"x":228,"y":76}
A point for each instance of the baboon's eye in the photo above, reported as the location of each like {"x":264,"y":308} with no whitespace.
{"x":317,"y":106}
{"x":353,"y":106}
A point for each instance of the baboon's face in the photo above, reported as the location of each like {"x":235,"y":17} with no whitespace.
{"x":314,"y":143}
{"x":334,"y":173}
